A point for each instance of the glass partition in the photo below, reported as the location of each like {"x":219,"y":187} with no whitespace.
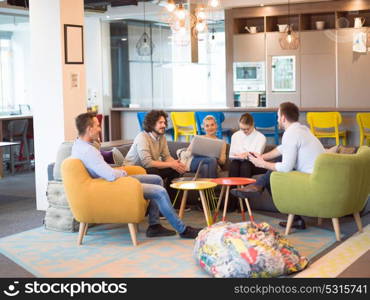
{"x":14,"y":63}
{"x":167,"y":78}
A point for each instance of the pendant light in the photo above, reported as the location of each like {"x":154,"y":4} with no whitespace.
{"x":145,"y":46}
{"x":289,"y":39}
{"x":171,"y":6}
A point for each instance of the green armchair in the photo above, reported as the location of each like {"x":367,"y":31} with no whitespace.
{"x":338,"y":186}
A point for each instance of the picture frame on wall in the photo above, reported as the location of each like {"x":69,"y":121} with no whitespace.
{"x":73,"y":44}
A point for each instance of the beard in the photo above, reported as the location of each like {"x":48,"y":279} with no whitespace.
{"x":160,"y":133}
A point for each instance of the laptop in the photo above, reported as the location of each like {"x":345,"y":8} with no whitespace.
{"x":205,"y":146}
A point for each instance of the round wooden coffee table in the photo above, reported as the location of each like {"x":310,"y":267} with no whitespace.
{"x":200,"y":186}
{"x":226,"y":182}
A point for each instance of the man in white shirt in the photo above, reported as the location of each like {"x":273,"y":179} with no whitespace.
{"x":246,"y":140}
{"x":299,"y":150}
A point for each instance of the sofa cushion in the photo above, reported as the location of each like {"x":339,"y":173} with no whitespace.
{"x":64,"y":151}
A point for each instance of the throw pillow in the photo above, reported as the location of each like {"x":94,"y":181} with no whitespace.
{"x":64,"y":151}
{"x":346,"y":149}
{"x":118,"y":157}
{"x":108,"y":156}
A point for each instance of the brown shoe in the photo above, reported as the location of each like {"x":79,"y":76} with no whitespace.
{"x":245,"y":192}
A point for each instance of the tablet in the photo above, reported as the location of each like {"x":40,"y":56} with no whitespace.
{"x":205,"y":146}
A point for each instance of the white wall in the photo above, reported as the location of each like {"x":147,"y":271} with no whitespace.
{"x":21,"y":66}
{"x":46,"y":82}
{"x":56,"y":103}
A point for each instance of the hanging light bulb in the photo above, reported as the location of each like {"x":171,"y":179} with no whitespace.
{"x":171,"y":6}
{"x":200,"y":26}
{"x":201,"y":14}
{"x":144,"y":46}
{"x":214,"y":3}
{"x":180,"y":12}
{"x":289,"y":37}
{"x":211,"y":41}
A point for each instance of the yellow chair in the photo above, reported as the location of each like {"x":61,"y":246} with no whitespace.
{"x":363,"y":120}
{"x":184,"y":124}
{"x":326,"y":120}
{"x":99,"y":201}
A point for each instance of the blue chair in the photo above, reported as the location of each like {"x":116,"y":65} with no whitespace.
{"x":220,"y":117}
{"x":141,"y":116}
{"x":266,"y":123}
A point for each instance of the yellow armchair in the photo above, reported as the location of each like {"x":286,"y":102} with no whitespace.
{"x":100,"y":201}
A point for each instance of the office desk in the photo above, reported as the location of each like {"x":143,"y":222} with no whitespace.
{"x":3,"y":120}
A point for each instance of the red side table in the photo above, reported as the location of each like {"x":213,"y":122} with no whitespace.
{"x":226,"y":182}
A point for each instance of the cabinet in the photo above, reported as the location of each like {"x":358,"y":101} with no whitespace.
{"x":346,"y":19}
{"x":328,"y":73}
{"x":318,"y":86}
{"x":308,"y":21}
{"x":273,"y":22}
{"x":241,"y":23}
{"x":249,"y":47}
{"x":353,"y":73}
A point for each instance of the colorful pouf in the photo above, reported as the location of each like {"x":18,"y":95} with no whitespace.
{"x":246,"y":249}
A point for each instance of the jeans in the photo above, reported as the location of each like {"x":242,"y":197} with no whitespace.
{"x":244,"y":168}
{"x":264,"y":181}
{"x":159,"y":201}
{"x":241,"y":168}
{"x":208,"y":168}
{"x":167,"y":174}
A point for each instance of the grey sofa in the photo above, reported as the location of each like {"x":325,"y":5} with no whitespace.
{"x":258,"y":203}
{"x":264,"y":202}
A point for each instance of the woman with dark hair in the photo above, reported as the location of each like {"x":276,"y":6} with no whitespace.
{"x":243,"y":142}
{"x":150,"y":150}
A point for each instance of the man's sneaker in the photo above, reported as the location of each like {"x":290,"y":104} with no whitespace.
{"x":245,"y":192}
{"x":299,"y":224}
{"x":190,"y":232}
{"x":158,"y":230}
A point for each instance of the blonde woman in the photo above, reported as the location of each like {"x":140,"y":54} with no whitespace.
{"x":210,"y":165}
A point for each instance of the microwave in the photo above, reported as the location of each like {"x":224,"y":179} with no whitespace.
{"x":249,"y":76}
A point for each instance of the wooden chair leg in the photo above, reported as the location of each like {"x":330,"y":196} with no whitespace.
{"x":86,"y":227}
{"x":289,"y":224}
{"x":205,"y":208}
{"x":242,"y":207}
{"x":81,"y":233}
{"x":249,"y":209}
{"x":219,"y":203}
{"x":319,"y":221}
{"x":183,"y":204}
{"x":358,"y":221}
{"x":336,"y":228}
{"x":226,"y":203}
{"x":131,"y":227}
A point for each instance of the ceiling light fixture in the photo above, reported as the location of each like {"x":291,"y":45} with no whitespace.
{"x":214,"y":3}
{"x":171,"y":6}
{"x":145,"y":46}
{"x":289,"y":39}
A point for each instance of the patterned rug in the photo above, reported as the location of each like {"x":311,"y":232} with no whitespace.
{"x":107,"y":250}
